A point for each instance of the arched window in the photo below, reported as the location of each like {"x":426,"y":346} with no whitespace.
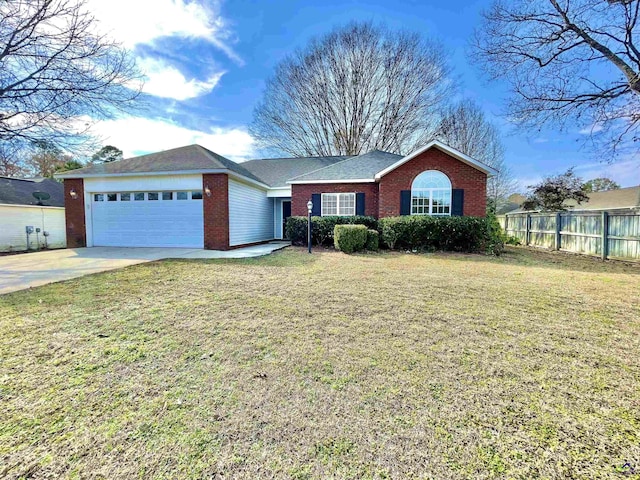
{"x":431,"y":194}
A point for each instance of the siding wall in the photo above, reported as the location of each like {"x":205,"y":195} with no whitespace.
{"x":250,"y":214}
{"x":14,"y":219}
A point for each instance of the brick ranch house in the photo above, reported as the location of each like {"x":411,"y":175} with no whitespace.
{"x":192,"y":197}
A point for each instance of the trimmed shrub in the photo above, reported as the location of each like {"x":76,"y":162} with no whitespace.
{"x":322,"y":228}
{"x":350,"y":238}
{"x":373,"y":240}
{"x":458,"y":234}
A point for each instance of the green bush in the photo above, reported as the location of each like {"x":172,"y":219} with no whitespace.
{"x":350,"y":238}
{"x":322,"y":228}
{"x":373,"y":240}
{"x":458,"y":234}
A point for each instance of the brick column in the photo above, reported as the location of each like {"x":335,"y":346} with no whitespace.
{"x":74,"y":213}
{"x":216,"y":211}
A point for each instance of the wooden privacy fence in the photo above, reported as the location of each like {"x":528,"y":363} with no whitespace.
{"x":607,"y":234}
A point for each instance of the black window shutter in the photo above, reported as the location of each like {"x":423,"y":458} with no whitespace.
{"x":457,"y":202}
{"x":405,"y":202}
{"x":316,"y":199}
{"x":360,"y":203}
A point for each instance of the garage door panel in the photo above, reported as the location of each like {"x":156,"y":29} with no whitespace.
{"x":148,"y":223}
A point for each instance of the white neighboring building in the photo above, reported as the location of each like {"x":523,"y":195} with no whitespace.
{"x":20,"y":209}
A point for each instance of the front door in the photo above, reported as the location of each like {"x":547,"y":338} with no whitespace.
{"x":286,"y":213}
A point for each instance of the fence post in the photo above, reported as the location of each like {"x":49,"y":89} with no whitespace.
{"x":527,"y":227}
{"x":558,"y":229}
{"x":506,"y":224}
{"x":605,"y":235}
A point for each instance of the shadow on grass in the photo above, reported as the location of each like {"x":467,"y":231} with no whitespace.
{"x":538,"y":258}
{"x":288,"y":257}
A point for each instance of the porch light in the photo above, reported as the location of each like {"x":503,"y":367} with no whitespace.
{"x":207,"y":190}
{"x":73,"y":193}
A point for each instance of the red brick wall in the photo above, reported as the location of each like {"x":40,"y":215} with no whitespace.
{"x":216,"y":211}
{"x":301,"y":194}
{"x":74,"y":213}
{"x":473,"y":181}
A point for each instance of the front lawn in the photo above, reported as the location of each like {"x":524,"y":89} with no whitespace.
{"x":326,"y":366}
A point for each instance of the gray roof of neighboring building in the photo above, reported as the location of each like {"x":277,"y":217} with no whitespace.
{"x":360,"y":167}
{"x":622,"y":198}
{"x":19,"y":191}
{"x":276,"y":171}
{"x":191,"y":157}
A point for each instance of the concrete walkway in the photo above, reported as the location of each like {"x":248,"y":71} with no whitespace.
{"x":18,"y":272}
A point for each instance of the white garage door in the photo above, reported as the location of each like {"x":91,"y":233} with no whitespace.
{"x":148,"y":219}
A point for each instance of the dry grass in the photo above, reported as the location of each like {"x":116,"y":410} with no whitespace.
{"x":326,"y":366}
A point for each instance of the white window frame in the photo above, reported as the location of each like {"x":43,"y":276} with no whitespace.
{"x":431,"y":192}
{"x":338,"y":195}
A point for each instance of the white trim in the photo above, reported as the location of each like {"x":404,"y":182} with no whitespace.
{"x":29,"y":206}
{"x":230,"y":173}
{"x":139,"y":174}
{"x":337,"y":214}
{"x":446,"y":149}
{"x":355,"y":180}
{"x":279,"y":192}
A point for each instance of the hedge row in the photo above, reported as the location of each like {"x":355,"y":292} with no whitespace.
{"x":322,"y":228}
{"x":458,"y":234}
{"x":411,"y":232}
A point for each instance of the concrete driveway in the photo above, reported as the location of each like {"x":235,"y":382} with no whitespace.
{"x":18,"y":272}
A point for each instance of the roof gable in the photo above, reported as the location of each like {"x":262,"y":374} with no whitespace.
{"x":458,"y":155}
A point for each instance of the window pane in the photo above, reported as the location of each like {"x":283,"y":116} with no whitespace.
{"x":196,"y":195}
{"x":112,"y":197}
{"x":329,"y":204}
{"x":167,"y":195}
{"x":138,"y":196}
{"x":420,"y":203}
{"x":98,"y":197}
{"x":182,"y":196}
{"x":125,"y":197}
{"x":347,"y":204}
{"x":152,"y":196}
{"x":431,"y":179}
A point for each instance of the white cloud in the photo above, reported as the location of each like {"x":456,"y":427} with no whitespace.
{"x":163,"y":80}
{"x":136,"y":22}
{"x":595,"y":128}
{"x":625,"y":171}
{"x":137,"y":135}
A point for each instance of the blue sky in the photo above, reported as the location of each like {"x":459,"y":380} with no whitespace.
{"x":206,"y":64}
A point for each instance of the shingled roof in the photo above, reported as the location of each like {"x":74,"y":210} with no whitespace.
{"x":610,"y":200}
{"x":361,"y":167}
{"x":276,"y":171}
{"x":183,"y":159}
{"x":19,"y":191}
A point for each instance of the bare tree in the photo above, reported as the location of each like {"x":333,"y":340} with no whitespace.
{"x":568,"y":62}
{"x":464,"y":126}
{"x":359,"y":88}
{"x":11,"y":161}
{"x":46,"y":159}
{"x":55,"y":69}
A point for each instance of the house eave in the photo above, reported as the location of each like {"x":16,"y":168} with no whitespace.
{"x":315,"y":182}
{"x":231,"y":173}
